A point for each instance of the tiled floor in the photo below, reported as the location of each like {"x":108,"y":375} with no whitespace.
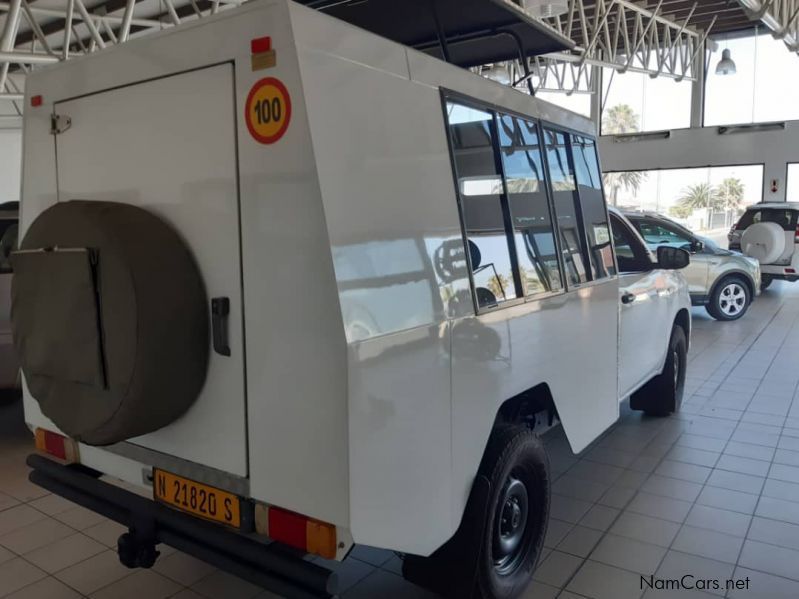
{"x":712,"y":492}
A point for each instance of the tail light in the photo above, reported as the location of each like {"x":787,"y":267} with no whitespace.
{"x":56,"y":445}
{"x":796,"y":234}
{"x":295,"y":530}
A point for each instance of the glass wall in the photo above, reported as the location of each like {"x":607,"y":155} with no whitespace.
{"x":635,"y":102}
{"x":703,"y":199}
{"x":792,"y":183}
{"x":764,"y":88}
{"x":579,"y":103}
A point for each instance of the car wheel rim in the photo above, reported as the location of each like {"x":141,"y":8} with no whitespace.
{"x":511,"y":526}
{"x":732,"y":299}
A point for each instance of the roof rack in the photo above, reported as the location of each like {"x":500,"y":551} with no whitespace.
{"x":466,"y":33}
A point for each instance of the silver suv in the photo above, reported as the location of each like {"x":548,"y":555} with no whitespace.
{"x":9,"y":368}
{"x":722,"y":281}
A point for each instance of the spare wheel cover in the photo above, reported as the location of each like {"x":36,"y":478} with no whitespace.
{"x":110,"y":321}
{"x":763,"y":241}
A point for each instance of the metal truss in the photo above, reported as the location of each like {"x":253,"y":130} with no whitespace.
{"x":625,"y":37}
{"x":83,"y":32}
{"x":780,"y":16}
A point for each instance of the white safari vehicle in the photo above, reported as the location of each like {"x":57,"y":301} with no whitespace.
{"x":286,"y":286}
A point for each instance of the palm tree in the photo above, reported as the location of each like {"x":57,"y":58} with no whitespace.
{"x":730,"y":193}
{"x":621,"y":119}
{"x":698,"y":197}
{"x":701,"y":195}
{"x":499,"y":285}
{"x":629,"y":180}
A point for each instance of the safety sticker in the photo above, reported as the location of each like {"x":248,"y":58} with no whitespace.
{"x":268,"y":110}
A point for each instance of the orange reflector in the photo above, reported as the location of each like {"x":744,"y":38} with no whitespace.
{"x":296,"y":530}
{"x":56,"y":445}
{"x":321,"y":539}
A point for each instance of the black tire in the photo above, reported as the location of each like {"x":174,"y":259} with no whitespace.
{"x":662,"y":395}
{"x":730,"y":299}
{"x":765,"y":281}
{"x":517,"y":466}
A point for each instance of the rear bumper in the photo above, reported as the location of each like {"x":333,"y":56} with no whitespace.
{"x":273,"y":567}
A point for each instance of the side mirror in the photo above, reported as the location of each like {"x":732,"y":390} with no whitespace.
{"x":697,"y":246}
{"x":671,"y":258}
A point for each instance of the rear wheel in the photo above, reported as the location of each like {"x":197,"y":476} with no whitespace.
{"x":663,"y":394}
{"x":730,"y":299}
{"x":517,"y":466}
{"x":765,"y":281}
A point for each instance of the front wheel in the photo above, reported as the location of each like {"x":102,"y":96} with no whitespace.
{"x":730,"y":299}
{"x":663,"y":394}
{"x":517,"y":467}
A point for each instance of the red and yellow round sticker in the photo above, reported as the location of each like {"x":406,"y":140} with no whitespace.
{"x":268,"y":110}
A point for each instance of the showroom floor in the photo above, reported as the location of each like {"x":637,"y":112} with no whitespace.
{"x":712,"y":493}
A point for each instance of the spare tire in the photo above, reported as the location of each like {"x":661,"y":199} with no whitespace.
{"x":763,"y":241}
{"x":110,"y":321}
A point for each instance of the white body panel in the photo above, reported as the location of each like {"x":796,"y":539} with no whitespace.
{"x":195,"y":192}
{"x":369,"y":393}
{"x":658,"y":296}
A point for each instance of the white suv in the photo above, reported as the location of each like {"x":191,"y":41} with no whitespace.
{"x":422,"y":261}
{"x":769,"y":232}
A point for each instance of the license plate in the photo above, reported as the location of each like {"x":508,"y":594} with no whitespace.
{"x":196,"y":498}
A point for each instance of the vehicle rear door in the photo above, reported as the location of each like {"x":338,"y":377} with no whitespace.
{"x":169,"y":145}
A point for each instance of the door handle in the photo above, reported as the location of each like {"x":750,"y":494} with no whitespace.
{"x":220,"y":309}
{"x":627,"y":298}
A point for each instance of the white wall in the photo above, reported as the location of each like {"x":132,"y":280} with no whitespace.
{"x":706,"y":147}
{"x":10,"y":164}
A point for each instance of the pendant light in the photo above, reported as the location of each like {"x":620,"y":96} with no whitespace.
{"x":546,"y":8}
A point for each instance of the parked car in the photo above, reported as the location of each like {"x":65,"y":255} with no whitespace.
{"x":723,"y":281}
{"x":769,"y":232}
{"x":9,"y":367}
{"x":421,"y":259}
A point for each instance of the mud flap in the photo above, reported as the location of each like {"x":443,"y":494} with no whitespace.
{"x":451,"y":571}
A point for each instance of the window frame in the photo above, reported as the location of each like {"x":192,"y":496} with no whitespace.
{"x":631,"y":229}
{"x":450,"y":95}
{"x":545,"y":124}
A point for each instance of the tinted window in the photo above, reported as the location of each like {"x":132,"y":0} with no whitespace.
{"x":656,"y":233}
{"x":566,"y":200}
{"x":595,"y":216}
{"x":785,"y":218}
{"x":529,"y":206}
{"x":8,"y":243}
{"x":473,"y":139}
{"x":630,"y":254}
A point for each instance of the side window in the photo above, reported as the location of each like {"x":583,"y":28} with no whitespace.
{"x":529,"y":206}
{"x":8,"y":243}
{"x":592,"y":200}
{"x":655,"y":234}
{"x":566,"y":200}
{"x":483,"y":203}
{"x":630,"y":253}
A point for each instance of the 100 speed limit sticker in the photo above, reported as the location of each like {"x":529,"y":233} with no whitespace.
{"x":268,"y":110}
